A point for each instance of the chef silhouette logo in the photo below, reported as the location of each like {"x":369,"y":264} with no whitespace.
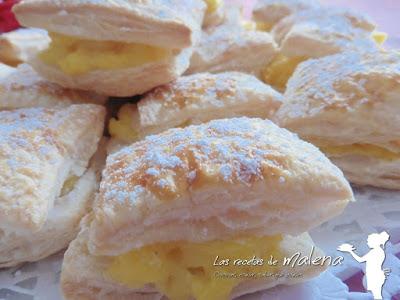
{"x":374,"y":273}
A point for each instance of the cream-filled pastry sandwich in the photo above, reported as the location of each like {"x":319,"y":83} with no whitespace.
{"x":214,"y":13}
{"x":231,"y":46}
{"x":22,"y":87}
{"x":348,"y":105}
{"x":316,"y":33}
{"x":46,"y":181}
{"x":19,"y":45}
{"x":194,"y":99}
{"x":170,"y":204}
{"x":117,"y":48}
{"x":267,"y":13}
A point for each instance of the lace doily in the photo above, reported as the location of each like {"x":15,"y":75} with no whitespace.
{"x":375,"y":210}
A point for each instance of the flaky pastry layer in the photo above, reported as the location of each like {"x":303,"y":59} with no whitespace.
{"x":214,"y":180}
{"x":24,"y":88}
{"x":195,"y":99}
{"x":84,"y":275}
{"x":40,"y":148}
{"x":164,"y":23}
{"x":120,"y":82}
{"x":345,"y":99}
{"x":323,"y":31}
{"x":270,"y":12}
{"x":231,"y":47}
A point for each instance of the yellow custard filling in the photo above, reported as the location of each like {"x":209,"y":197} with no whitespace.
{"x":122,"y":128}
{"x":379,"y":37}
{"x":264,"y":26}
{"x":183,"y":270}
{"x":259,"y":26}
{"x":278,"y":72}
{"x":76,"y":56}
{"x":212,"y":6}
{"x":361,"y":149}
{"x":69,"y":185}
{"x":249,"y":25}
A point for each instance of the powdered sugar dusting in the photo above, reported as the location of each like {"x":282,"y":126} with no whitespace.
{"x":16,"y":124}
{"x":23,"y":87}
{"x":338,"y":82}
{"x":272,"y":11}
{"x":333,"y":29}
{"x":228,"y":151}
{"x":222,"y":48}
{"x":197,"y":94}
{"x":28,"y":152}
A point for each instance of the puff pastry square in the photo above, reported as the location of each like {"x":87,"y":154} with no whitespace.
{"x":164,"y":23}
{"x":212,"y":160}
{"x":22,"y":87}
{"x":268,"y":13}
{"x":347,"y":104}
{"x":324,"y":31}
{"x":45,"y":184}
{"x":117,"y":48}
{"x":227,"y":184}
{"x":231,"y":47}
{"x":195,"y":99}
{"x":316,"y":33}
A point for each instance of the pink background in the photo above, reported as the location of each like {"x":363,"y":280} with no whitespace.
{"x":385,"y":13}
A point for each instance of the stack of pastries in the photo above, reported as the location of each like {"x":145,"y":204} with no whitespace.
{"x":305,"y":29}
{"x":151,"y":139}
{"x":169,"y":204}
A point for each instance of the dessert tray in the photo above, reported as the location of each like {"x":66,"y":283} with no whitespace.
{"x":375,"y":210}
